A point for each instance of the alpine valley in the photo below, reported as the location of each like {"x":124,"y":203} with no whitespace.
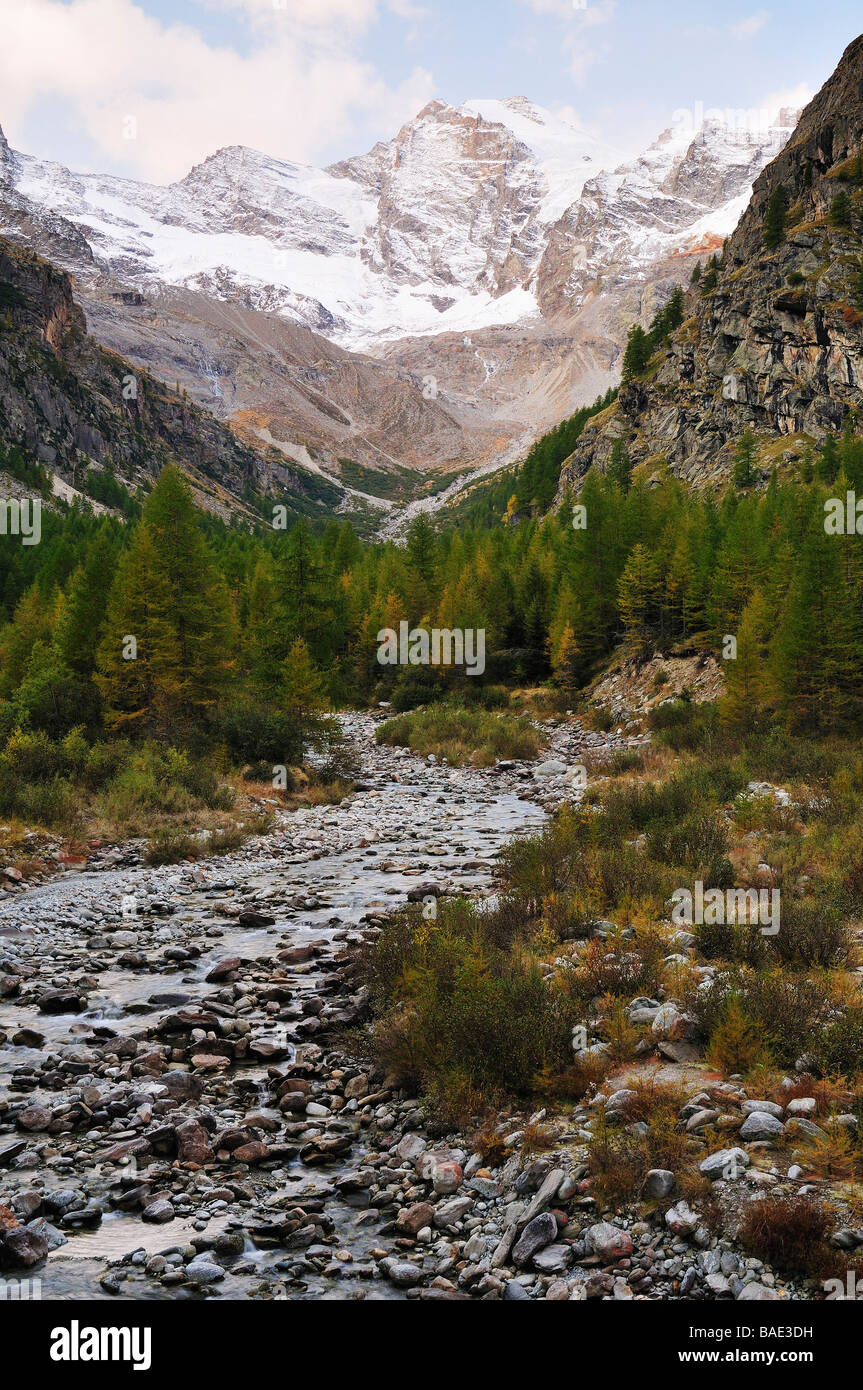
{"x":380,"y":331}
{"x":464,"y":907}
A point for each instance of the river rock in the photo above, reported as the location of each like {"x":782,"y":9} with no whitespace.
{"x":761,"y":1125}
{"x":412,"y":1219}
{"x":659,"y":1183}
{"x":537,"y":1234}
{"x":725,"y":1163}
{"x":609,"y":1242}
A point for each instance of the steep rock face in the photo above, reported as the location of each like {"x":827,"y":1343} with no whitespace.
{"x":464,"y":195}
{"x":62,"y":398}
{"x":457,"y":200}
{"x":778,"y":345}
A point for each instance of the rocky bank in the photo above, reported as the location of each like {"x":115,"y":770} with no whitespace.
{"x":180,"y":1118}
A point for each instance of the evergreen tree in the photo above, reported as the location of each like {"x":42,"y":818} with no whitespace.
{"x":710,"y":279}
{"x":638,"y":591}
{"x":620,"y":466}
{"x":566,"y":662}
{"x":776,"y":218}
{"x":82,"y":620}
{"x":827,"y":463}
{"x":30,"y":625}
{"x":421,"y":559}
{"x":638,"y":353}
{"x":169,"y":598}
{"x":675,"y":311}
{"x":745,"y":676}
{"x":301,"y":698}
{"x":745,"y":456}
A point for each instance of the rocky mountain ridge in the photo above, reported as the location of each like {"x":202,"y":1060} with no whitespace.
{"x":428,"y":306}
{"x":777,"y":345}
{"x":70,"y":405}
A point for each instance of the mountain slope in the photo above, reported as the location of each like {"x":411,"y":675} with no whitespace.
{"x":429,"y":306}
{"x":777,"y":346}
{"x":69,"y":404}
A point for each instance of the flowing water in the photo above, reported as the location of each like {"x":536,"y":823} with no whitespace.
{"x":318,"y":875}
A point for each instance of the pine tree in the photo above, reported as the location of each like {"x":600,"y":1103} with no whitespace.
{"x":82,"y":620}
{"x":169,"y":598}
{"x":638,"y":353}
{"x":128,"y":675}
{"x":806,"y":646}
{"x":682,"y":584}
{"x":638,"y":590}
{"x":566,"y":662}
{"x":745,"y":456}
{"x":30,"y":625}
{"x":675,"y":310}
{"x":745,"y":676}
{"x":301,"y":698}
{"x":710,"y":279}
{"x":620,"y":466}
{"x":421,"y":562}
{"x":827,"y":463}
{"x":776,"y":218}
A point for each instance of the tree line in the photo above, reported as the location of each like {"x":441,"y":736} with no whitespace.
{"x":181,"y":628}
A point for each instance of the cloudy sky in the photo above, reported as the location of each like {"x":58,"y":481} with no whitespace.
{"x":149,"y":87}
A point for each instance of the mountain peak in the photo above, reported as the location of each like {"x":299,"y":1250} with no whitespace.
{"x":436,"y":107}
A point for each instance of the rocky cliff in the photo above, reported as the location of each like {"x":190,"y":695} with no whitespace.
{"x":777,"y":345}
{"x":69,"y":404}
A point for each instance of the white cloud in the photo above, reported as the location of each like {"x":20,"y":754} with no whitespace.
{"x":586,"y":14}
{"x":408,"y":9}
{"x":748,"y":28}
{"x":788,"y":99}
{"x":579,"y":54}
{"x":298,"y":88}
{"x":320,"y":14}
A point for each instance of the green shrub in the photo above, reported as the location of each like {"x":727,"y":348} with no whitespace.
{"x":699,"y":842}
{"x":256,"y":733}
{"x":454,"y":1003}
{"x":685,"y":727}
{"x":170,"y":846}
{"x":790,"y":1011}
{"x":811,"y":933}
{"x":462,"y":735}
{"x":840,"y":1049}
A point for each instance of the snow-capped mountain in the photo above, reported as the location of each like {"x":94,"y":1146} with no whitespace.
{"x":684,"y":195}
{"x":435,"y":231}
{"x":495,"y":247}
{"x":453,"y":226}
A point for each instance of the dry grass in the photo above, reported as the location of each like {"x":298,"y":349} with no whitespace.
{"x":491,"y":1147}
{"x":535,"y":1140}
{"x":582,"y":1078}
{"x":462,"y":736}
{"x":791,"y":1234}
